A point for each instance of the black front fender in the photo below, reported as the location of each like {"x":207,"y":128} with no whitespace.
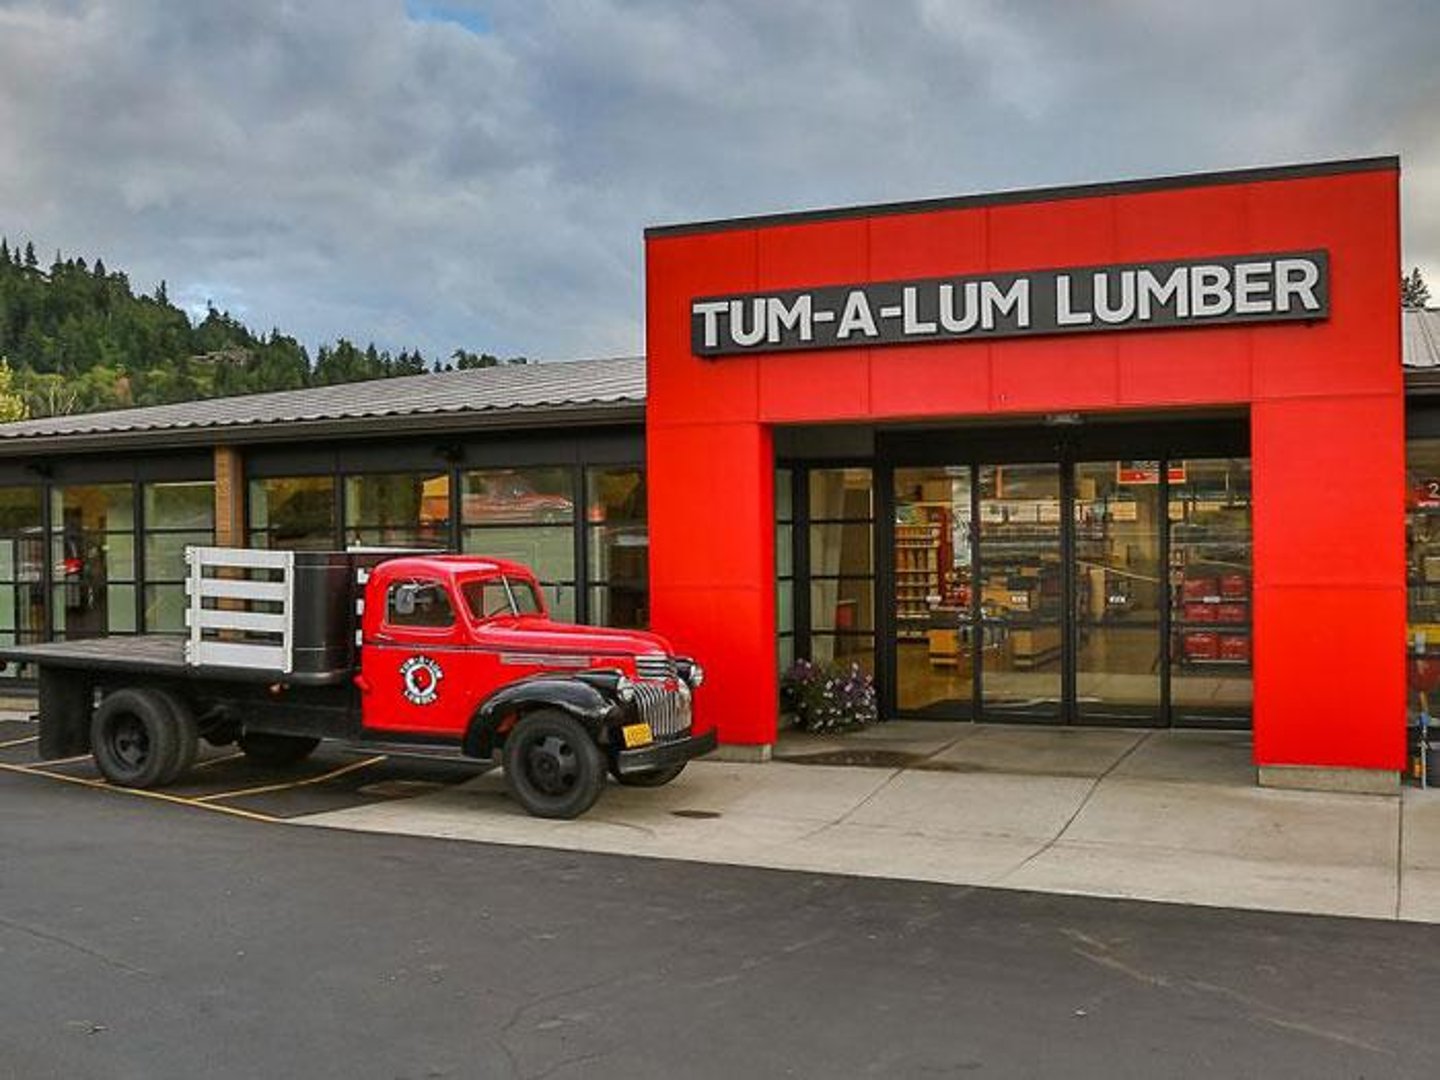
{"x":569,"y":693}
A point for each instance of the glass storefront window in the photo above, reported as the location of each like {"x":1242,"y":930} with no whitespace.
{"x":526,"y":515}
{"x":1119,"y":588}
{"x":517,"y":496}
{"x":1422,"y":571}
{"x":1210,"y":590}
{"x":405,"y":510}
{"x":177,"y":516}
{"x":619,"y":546}
{"x":785,"y":567}
{"x":933,"y":582}
{"x":93,"y":551}
{"x":293,"y":512}
{"x":841,"y":590}
{"x":22,"y":574}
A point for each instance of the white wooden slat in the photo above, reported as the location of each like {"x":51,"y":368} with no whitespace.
{"x":275,"y":592}
{"x":243,"y":558}
{"x":255,"y":621}
{"x":238,"y":655}
{"x":234,"y":568}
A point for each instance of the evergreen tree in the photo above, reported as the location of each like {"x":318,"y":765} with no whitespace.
{"x":1414,"y":293}
{"x":79,"y":339}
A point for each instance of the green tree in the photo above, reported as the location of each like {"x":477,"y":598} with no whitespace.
{"x":1414,"y":293}
{"x":12,"y":404}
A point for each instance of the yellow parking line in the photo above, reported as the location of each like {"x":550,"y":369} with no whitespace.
{"x":62,"y":760}
{"x":18,"y":742}
{"x":159,"y":795}
{"x":331,"y":775}
{"x":215,"y":761}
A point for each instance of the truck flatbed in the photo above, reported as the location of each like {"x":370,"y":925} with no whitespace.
{"x":152,"y":654}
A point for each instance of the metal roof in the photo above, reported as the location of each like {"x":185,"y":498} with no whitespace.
{"x":531,"y":395}
{"x":555,"y":393}
{"x":1421,"y":348}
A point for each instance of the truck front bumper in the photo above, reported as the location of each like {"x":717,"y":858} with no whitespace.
{"x":660,"y":755}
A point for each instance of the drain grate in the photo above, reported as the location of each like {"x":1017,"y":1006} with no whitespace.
{"x":874,"y":759}
{"x":699,"y":815}
{"x":399,"y":789}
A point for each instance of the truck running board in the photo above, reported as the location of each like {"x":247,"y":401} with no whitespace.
{"x":413,"y":751}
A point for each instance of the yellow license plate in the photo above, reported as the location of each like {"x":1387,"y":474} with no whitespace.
{"x":637,"y":735}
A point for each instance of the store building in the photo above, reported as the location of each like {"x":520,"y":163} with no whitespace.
{"x":1089,"y":455}
{"x":1118,"y":454}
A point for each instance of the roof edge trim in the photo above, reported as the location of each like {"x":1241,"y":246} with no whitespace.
{"x":448,"y":423}
{"x":1261,"y":174}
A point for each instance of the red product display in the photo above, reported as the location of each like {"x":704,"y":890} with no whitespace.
{"x":1230,"y":612}
{"x":1324,"y":398}
{"x":1199,"y":612}
{"x":1234,"y":585}
{"x":1234,"y":647}
{"x":1201,"y":645}
{"x":1200,"y":588}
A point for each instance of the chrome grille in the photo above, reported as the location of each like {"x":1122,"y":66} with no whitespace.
{"x":666,"y":710}
{"x":654,"y":666}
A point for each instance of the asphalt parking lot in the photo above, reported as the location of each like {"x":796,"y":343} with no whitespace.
{"x":225,"y":781}
{"x":140,"y":939}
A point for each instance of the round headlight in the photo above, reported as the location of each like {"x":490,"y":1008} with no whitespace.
{"x":624,"y":688}
{"x":697,"y":676}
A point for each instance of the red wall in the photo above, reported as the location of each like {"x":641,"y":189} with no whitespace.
{"x":1326,"y":406}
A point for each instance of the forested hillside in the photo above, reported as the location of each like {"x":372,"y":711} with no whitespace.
{"x":76,"y":338}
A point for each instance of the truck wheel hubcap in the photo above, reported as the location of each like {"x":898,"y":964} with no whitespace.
{"x":129,"y":742}
{"x":551,"y":764}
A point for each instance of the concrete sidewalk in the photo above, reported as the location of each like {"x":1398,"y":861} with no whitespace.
{"x":1167,"y":816}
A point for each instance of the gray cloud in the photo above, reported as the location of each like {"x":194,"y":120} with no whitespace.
{"x":354,"y":167}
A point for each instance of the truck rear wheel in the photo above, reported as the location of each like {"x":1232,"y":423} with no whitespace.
{"x":187,"y":737}
{"x":552,"y":765}
{"x":134,"y":738}
{"x":264,"y":748}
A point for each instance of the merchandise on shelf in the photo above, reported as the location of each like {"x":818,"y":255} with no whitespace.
{"x":1234,"y":647}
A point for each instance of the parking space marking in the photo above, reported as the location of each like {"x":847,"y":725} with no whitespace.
{"x":216,"y":760}
{"x":18,"y":742}
{"x":206,"y":800}
{"x":234,"y":811}
{"x":61,"y":760}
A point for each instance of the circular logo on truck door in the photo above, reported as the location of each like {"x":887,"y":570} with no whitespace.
{"x":421,"y":678}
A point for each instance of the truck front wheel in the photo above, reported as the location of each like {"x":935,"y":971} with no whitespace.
{"x":552,"y":765}
{"x":135,"y":738}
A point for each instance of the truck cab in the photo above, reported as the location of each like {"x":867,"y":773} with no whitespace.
{"x":457,"y":648}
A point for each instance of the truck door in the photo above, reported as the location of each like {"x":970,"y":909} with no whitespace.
{"x":413,"y":661}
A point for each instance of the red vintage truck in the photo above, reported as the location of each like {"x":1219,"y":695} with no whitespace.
{"x":406,"y":654}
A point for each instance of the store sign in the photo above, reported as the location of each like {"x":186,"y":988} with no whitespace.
{"x":1147,"y":472}
{"x":1279,"y":287}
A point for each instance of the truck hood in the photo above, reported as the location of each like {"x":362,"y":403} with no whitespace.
{"x":542,"y":635}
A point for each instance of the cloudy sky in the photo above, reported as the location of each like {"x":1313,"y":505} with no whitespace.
{"x":444,"y":173}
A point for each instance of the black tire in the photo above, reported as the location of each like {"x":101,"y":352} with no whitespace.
{"x":264,"y":748}
{"x":187,"y":737}
{"x":552,"y":765}
{"x":134,"y":738}
{"x":650,"y":777}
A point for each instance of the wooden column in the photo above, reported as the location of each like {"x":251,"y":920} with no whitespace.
{"x":229,"y":497}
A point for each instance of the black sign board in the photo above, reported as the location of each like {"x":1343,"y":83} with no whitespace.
{"x":1279,"y":287}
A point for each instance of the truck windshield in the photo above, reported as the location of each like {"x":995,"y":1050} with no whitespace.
{"x":489,"y":597}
